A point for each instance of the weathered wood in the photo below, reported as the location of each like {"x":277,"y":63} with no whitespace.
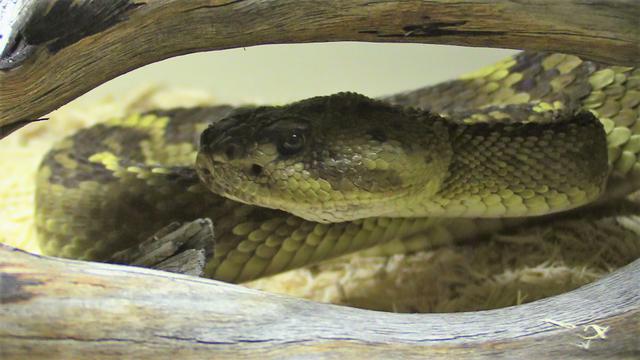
{"x":161,"y":249}
{"x":52,"y":308}
{"x":56,"y":50}
{"x":178,"y":248}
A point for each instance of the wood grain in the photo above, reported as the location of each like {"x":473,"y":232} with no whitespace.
{"x":52,"y":308}
{"x":60,"y":49}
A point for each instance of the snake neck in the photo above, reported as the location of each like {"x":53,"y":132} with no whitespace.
{"x":500,"y":169}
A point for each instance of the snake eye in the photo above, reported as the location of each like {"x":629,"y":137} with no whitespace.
{"x":292,"y":143}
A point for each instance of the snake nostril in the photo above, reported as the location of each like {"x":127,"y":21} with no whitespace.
{"x":232,"y":151}
{"x":256,"y":170}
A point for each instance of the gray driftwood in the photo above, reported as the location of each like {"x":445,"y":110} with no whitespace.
{"x":57,"y":50}
{"x":180,"y":248}
{"x":56,"y":308}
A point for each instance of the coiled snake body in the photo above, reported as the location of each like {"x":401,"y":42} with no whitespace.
{"x":286,"y":186}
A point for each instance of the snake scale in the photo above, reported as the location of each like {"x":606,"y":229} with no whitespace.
{"x":291,"y":185}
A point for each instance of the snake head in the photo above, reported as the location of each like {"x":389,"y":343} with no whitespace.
{"x":326,"y":159}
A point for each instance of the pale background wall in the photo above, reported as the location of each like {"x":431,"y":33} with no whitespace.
{"x":280,"y":73}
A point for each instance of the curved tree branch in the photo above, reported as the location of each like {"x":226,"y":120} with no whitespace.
{"x":55,"y":50}
{"x":90,"y":310}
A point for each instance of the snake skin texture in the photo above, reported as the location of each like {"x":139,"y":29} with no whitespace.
{"x":345,"y":157}
{"x":111,"y":186}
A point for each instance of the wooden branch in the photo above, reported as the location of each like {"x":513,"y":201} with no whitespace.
{"x":51,"y":308}
{"x":56,"y":50}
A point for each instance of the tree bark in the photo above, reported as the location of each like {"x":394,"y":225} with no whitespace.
{"x":52,"y":307}
{"x":55,"y":50}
